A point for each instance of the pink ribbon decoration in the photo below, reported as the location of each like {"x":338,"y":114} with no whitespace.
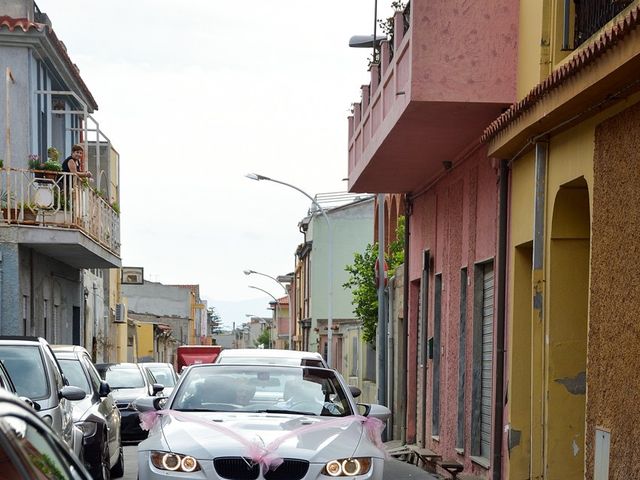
{"x":266,"y":455}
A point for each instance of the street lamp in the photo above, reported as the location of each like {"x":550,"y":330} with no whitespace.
{"x":249,"y":272}
{"x":255,"y":176}
{"x":275,"y":314}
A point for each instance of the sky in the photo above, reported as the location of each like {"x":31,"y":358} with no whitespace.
{"x":194,"y":94}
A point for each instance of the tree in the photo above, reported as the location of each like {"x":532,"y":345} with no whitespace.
{"x":214,"y":320}
{"x":263,"y":339}
{"x":362,"y":281}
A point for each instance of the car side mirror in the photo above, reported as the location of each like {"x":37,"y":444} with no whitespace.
{"x":105,"y":389}
{"x":355,"y":391}
{"x":72,"y":393}
{"x":374,"y":411}
{"x":148,"y":404}
{"x":31,"y":403}
{"x":157,"y":388}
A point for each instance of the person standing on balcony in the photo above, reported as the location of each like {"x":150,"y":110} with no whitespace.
{"x":73,"y":163}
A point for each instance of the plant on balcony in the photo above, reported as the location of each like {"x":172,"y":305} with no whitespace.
{"x":387,"y":24}
{"x":34,"y":162}
{"x":52,"y":164}
{"x":29,"y":211}
{"x":1,"y":163}
{"x":116,"y":207}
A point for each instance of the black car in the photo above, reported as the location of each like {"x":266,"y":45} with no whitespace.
{"x":29,"y":448}
{"x":129,"y":381}
{"x":96,"y":415}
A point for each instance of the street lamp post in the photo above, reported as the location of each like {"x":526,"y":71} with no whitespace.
{"x":249,"y":272}
{"x":275,"y":309}
{"x":255,"y":176}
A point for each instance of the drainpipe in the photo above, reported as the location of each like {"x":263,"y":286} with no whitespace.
{"x":500,"y":321}
{"x":402,"y":383}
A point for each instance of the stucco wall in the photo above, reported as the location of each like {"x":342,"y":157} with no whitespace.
{"x":613,"y":382}
{"x":158,"y":299}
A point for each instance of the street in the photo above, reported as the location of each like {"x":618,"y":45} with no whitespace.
{"x":394,"y":469}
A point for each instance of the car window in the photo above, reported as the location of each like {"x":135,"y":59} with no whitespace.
{"x":93,"y":373}
{"x":25,"y":365}
{"x":57,"y":369}
{"x":36,"y":449}
{"x":262,"y":389}
{"x":75,"y":373}
{"x":124,"y":378}
{"x":162,"y":374}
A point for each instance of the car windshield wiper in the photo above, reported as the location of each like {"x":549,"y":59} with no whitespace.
{"x":201,"y":410}
{"x":289,"y":412}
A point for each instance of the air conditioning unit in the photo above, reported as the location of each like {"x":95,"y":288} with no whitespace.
{"x":121,"y":313}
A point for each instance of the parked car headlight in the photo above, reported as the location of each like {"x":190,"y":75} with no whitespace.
{"x":88,"y":428}
{"x":174,"y":462}
{"x":347,"y":467}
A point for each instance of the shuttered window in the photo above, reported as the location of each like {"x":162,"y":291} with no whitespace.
{"x":462,"y":358}
{"x":437,"y":316}
{"x":482,"y":360}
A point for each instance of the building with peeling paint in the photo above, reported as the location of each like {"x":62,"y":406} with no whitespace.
{"x":572,"y":147}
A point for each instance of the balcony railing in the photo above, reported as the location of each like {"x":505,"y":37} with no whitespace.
{"x":63,"y":200}
{"x":592,"y":15}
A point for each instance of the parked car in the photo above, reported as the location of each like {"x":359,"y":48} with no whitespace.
{"x":96,"y":415}
{"x":37,"y":375}
{"x":162,"y":373}
{"x":244,"y":421}
{"x":29,"y":448}
{"x":128,"y":381}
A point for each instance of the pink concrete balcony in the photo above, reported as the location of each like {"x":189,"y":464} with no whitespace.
{"x":449,"y":72}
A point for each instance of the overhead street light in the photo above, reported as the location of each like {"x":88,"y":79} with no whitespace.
{"x":275,"y":311}
{"x":276,"y":279}
{"x":258,"y":177}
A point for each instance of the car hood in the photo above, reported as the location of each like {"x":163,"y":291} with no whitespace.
{"x":128,"y":394}
{"x":205,"y":437}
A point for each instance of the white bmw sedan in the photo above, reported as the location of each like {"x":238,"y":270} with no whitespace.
{"x":255,"y":422}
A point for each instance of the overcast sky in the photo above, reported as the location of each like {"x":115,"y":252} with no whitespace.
{"x":196,"y":93}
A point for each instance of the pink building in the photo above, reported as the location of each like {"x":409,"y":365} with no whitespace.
{"x":448,"y":71}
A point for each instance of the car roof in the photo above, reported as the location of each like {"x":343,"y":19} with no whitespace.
{"x":117,"y":365}
{"x":269,"y":353}
{"x":68,"y":349}
{"x":21,"y":340}
{"x":155,"y":364}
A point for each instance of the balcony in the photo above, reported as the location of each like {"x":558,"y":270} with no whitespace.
{"x":62,"y":217}
{"x":448,"y":71}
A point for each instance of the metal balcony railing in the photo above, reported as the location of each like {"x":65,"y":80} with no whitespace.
{"x":56,"y":199}
{"x":592,"y":15}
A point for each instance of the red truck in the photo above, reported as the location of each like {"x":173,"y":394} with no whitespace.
{"x":193,"y":354}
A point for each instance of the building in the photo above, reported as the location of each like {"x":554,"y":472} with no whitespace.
{"x":59,"y":236}
{"x":447,"y":70}
{"x":570,"y":144}
{"x":351,"y":218}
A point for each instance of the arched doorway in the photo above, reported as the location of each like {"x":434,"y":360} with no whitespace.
{"x":566,"y":352}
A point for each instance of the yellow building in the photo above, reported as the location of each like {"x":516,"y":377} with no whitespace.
{"x":571,"y":144}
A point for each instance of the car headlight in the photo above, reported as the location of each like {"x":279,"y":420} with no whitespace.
{"x":347,"y":467}
{"x":88,"y":428}
{"x":174,"y":462}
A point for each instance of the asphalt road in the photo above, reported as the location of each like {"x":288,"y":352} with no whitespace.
{"x":393,"y":469}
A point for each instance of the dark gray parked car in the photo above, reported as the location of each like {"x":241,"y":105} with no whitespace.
{"x":37,"y":375}
{"x":96,"y":415}
{"x":129,"y":381}
{"x":29,"y":448}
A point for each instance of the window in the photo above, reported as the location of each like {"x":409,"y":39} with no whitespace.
{"x":45,"y":310}
{"x":354,"y":357}
{"x":25,"y":365}
{"x":482,"y":360}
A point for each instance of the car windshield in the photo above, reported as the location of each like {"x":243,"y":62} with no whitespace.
{"x":270,"y":389}
{"x":74,"y":373}
{"x":26,"y":368}
{"x":162,"y":374}
{"x":123,"y":377}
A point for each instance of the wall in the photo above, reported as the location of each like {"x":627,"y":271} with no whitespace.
{"x":612,"y":380}
{"x":155,"y":298}
{"x":17,"y":8}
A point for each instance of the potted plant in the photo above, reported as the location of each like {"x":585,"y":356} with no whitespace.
{"x":52,"y":165}
{"x":29,"y":212}
{"x":4,"y":205}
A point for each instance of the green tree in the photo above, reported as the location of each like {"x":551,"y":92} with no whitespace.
{"x":263,"y":338}
{"x":362,"y":281}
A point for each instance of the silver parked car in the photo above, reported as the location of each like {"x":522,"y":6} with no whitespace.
{"x":260,"y":421}
{"x":162,"y":373}
{"x":37,"y":376}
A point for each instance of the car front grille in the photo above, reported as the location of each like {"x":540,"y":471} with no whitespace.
{"x":122,"y":405}
{"x":237,"y":468}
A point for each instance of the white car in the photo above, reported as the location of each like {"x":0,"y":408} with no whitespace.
{"x":253,"y":422}
{"x":271,"y":356}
